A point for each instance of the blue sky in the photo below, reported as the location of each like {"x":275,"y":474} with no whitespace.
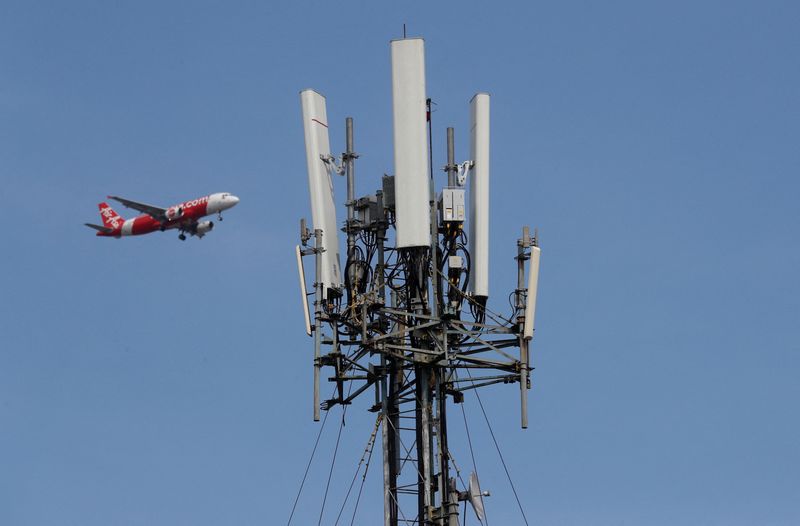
{"x":654,"y":145}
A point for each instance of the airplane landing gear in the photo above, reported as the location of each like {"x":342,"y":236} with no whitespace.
{"x":182,"y":237}
{"x":219,"y":216}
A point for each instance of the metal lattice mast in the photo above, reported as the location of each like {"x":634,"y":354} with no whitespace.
{"x":409,"y":319}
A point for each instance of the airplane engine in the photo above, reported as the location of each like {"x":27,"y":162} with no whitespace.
{"x":175,"y":212}
{"x":204,"y":227}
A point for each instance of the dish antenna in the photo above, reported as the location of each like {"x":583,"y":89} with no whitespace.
{"x":475,"y":496}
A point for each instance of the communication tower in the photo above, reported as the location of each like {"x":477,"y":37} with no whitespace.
{"x":407,"y":316}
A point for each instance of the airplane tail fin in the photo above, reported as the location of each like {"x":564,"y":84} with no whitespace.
{"x":111,"y":219}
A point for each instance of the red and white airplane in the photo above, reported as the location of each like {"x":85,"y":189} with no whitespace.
{"x":184,"y":216}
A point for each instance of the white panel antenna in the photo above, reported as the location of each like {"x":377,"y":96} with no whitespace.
{"x":533,"y":284}
{"x":479,"y":195}
{"x":303,"y":291}
{"x":320,"y":185}
{"x":410,"y":143}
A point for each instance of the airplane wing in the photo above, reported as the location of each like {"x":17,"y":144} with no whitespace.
{"x":154,"y":211}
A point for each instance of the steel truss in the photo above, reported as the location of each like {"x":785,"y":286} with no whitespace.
{"x":405,"y":329}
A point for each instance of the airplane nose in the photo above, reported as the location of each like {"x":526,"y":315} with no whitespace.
{"x":232,"y":201}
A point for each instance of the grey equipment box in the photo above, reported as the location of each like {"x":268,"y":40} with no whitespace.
{"x":388,"y":192}
{"x":366,"y":210}
{"x":452,"y":205}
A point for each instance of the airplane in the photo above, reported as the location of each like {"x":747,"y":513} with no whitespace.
{"x":184,"y":216}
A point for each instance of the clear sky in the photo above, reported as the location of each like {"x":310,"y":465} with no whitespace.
{"x":146,"y":381}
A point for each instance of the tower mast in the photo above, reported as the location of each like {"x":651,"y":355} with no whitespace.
{"x":407,"y":315}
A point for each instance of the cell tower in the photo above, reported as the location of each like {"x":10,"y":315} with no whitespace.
{"x":407,"y":317}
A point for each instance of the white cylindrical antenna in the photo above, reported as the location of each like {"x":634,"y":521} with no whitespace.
{"x":479,"y":195}
{"x":533,"y":284}
{"x":303,"y":291}
{"x":320,"y":186}
{"x":410,"y":143}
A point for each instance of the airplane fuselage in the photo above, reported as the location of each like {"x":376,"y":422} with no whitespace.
{"x":184,"y":216}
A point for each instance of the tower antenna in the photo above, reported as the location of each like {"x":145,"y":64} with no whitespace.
{"x":409,"y":311}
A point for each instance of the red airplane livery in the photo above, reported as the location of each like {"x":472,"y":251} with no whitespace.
{"x":185,"y":217}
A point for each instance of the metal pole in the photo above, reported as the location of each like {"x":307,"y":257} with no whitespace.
{"x":450,"y":233}
{"x":453,"y":511}
{"x":395,"y":379}
{"x":434,"y":252}
{"x":379,"y":239}
{"x":522,"y":246}
{"x":391,"y":459}
{"x":349,"y":157}
{"x":317,"y":317}
{"x":386,"y":378}
{"x":444,"y":451}
{"x":521,"y":275}
{"x":451,"y":158}
{"x":423,"y":428}
{"x":387,"y":493}
{"x":523,"y":382}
